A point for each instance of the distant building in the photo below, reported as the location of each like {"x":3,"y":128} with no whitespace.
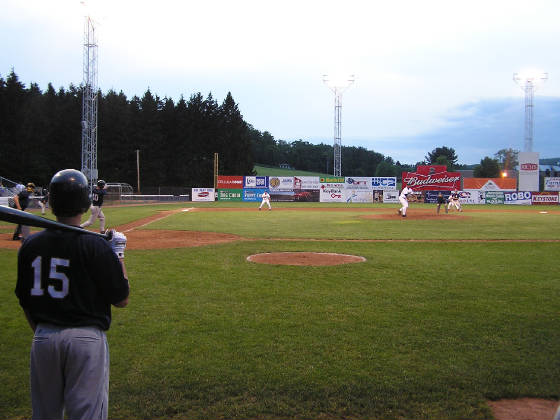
{"x":285,"y":166}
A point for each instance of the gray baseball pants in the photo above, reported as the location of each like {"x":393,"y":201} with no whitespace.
{"x":69,"y":373}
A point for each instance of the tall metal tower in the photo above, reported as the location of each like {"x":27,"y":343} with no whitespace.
{"x":89,"y":103}
{"x":529,"y":81}
{"x":338,"y":87}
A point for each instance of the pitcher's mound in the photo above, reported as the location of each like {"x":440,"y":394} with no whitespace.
{"x":304,"y":258}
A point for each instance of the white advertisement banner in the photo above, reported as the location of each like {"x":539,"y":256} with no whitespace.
{"x":306,"y":183}
{"x":471,"y":197}
{"x":390,"y":196}
{"x":552,"y":184}
{"x":203,"y":194}
{"x":523,"y":198}
{"x":281,"y":183}
{"x":528,"y":171}
{"x":255,"y":182}
{"x":358,"y":183}
{"x":358,"y":196}
{"x":332,"y":194}
{"x":385,"y":183}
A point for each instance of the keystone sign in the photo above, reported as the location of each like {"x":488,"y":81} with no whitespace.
{"x":431,"y":178}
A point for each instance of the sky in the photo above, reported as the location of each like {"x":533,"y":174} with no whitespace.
{"x":426,"y":73}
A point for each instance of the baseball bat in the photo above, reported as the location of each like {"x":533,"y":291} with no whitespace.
{"x":19,"y":217}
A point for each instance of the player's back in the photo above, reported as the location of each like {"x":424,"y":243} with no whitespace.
{"x":67,"y":276}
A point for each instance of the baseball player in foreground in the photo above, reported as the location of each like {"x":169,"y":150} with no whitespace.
{"x":66,"y":284}
{"x":97,"y":196}
{"x":403,"y":198}
{"x":454,"y":200}
{"x":265,"y":199}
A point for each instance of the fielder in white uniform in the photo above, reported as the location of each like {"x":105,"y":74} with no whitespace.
{"x":404,"y":200}
{"x":265,"y":199}
{"x":454,"y":200}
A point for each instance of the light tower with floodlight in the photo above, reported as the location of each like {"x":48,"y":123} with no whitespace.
{"x":529,"y":81}
{"x":89,"y":103}
{"x":338,"y":87}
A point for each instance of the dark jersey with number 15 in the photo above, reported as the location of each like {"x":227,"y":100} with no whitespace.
{"x":69,"y":279}
{"x":97,"y":196}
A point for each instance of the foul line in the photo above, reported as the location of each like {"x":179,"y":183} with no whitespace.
{"x":155,"y":220}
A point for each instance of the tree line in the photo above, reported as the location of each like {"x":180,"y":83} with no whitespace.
{"x":40,"y":133}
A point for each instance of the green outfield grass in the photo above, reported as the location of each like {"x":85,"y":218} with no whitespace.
{"x":423,"y":330}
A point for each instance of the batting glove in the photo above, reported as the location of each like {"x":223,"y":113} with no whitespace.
{"x":118,"y":243}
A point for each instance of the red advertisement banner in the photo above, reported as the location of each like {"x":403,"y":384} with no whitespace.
{"x":431,"y":180}
{"x":544,"y":198}
{"x":230,"y":182}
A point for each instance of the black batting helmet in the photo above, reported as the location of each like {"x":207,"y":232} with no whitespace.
{"x":69,"y":193}
{"x":101,"y":183}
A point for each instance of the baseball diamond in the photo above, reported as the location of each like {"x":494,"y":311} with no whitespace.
{"x":210,"y":333}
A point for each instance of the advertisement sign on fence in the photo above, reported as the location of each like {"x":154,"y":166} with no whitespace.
{"x":427,"y":178}
{"x":203,"y":194}
{"x":306,"y":183}
{"x":385,"y":183}
{"x":332,"y":192}
{"x":255,"y":182}
{"x":528,"y":171}
{"x":490,"y":184}
{"x":431,"y":196}
{"x":230,"y":182}
{"x":494,"y":197}
{"x":544,"y":198}
{"x":358,"y":183}
{"x":390,"y":196}
{"x":358,"y":196}
{"x":471,"y":197}
{"x":521,"y":198}
{"x":253,"y":194}
{"x":332,"y":180}
{"x":230,"y":195}
{"x":281,"y":183}
{"x":552,"y":184}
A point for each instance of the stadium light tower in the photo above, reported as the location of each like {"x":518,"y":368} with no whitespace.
{"x":529,"y":81}
{"x":338,"y":86}
{"x":89,"y":103}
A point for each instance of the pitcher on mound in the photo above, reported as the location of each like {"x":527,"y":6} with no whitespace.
{"x":403,"y":198}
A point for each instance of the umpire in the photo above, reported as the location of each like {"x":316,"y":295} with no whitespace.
{"x":66,"y":284}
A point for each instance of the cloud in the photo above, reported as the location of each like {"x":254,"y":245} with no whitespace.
{"x":479,"y":129}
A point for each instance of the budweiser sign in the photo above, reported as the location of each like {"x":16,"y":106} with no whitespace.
{"x":529,"y":167}
{"x":444,"y":181}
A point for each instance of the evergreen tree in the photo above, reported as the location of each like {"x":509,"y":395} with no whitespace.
{"x":234,"y":145}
